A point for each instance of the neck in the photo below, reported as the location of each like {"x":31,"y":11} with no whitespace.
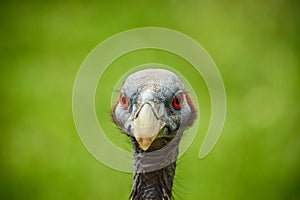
{"x":154,"y":170}
{"x":154,"y":185}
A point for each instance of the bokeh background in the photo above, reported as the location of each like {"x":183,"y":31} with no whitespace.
{"x":255,"y":44}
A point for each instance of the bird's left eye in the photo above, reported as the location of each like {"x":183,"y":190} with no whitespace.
{"x":177,"y":101}
{"x":124,"y":101}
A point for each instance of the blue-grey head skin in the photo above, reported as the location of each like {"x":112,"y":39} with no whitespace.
{"x":154,"y":109}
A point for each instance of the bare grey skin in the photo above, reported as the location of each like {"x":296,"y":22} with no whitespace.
{"x":153,"y":111}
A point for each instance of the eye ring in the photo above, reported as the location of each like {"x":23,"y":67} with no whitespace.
{"x":177,"y":101}
{"x":124,"y":101}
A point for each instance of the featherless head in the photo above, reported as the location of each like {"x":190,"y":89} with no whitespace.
{"x":153,"y":105}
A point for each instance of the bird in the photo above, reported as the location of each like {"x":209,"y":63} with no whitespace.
{"x":153,"y":110}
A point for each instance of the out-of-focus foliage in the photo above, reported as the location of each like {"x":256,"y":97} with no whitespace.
{"x":255,"y":45}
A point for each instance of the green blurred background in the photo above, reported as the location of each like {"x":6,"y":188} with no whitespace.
{"x":255,"y":44}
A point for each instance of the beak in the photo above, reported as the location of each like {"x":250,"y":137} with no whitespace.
{"x":146,"y":126}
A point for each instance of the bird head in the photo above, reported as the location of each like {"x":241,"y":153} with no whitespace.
{"x":152,"y":107}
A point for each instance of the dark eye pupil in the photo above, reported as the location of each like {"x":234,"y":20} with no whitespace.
{"x":177,"y":101}
{"x":124,"y":101}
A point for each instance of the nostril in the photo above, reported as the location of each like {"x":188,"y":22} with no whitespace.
{"x":137,"y":113}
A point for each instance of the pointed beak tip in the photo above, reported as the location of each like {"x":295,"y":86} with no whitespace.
{"x":145,"y":143}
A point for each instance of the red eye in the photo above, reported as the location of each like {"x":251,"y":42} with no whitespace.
{"x":124,"y":101}
{"x":177,"y":101}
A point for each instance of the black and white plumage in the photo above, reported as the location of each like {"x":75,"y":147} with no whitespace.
{"x":153,"y":110}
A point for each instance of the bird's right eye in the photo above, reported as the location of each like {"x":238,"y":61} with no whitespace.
{"x":124,"y":101}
